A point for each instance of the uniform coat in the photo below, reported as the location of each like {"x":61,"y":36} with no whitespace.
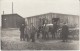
{"x":22,"y":32}
{"x":54,"y":29}
{"x":32,"y":32}
{"x":65,"y":32}
{"x":27,"y":33}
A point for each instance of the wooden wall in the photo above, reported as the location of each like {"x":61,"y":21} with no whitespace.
{"x":71,"y":20}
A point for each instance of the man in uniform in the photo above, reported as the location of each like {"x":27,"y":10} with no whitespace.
{"x":54,"y":30}
{"x":38,"y":32}
{"x":55,"y":26}
{"x":65,"y":32}
{"x":32,"y":32}
{"x":22,"y":32}
{"x":26,"y":32}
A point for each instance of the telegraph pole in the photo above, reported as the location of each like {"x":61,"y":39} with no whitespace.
{"x":12,"y":7}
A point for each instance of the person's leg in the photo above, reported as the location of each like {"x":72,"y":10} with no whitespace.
{"x":23,"y":37}
{"x":27,"y":38}
{"x":44,"y":35}
{"x":63,"y":38}
{"x":47,"y":36}
{"x":60,"y":36}
{"x":38,"y":35}
{"x":33,"y":39}
{"x":54,"y":34}
{"x":20,"y":36}
{"x":66,"y":39}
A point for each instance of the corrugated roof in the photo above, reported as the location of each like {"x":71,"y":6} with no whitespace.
{"x":51,"y":13}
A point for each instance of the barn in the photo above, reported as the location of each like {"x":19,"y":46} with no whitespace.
{"x":12,"y":20}
{"x":71,"y":20}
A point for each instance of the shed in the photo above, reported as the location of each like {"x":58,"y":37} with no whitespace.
{"x":12,"y":20}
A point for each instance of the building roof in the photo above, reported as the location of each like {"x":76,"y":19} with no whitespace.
{"x":51,"y":13}
{"x":12,"y":15}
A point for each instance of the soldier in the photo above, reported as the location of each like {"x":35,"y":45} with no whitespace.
{"x":65,"y":32}
{"x":38,"y":32}
{"x":55,"y":22}
{"x":54,"y":30}
{"x":32,"y":32}
{"x":22,"y":32}
{"x":45,"y":32}
{"x":42,"y":32}
{"x":26,"y":32}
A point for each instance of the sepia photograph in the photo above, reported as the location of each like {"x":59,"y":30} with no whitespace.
{"x":39,"y":24}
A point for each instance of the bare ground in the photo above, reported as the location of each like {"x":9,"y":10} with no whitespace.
{"x":10,"y":41}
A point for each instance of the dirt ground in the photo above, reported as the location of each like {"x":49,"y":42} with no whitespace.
{"x":10,"y":40}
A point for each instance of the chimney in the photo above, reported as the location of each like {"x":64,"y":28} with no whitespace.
{"x":3,"y":12}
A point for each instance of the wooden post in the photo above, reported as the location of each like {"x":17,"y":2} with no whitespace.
{"x":12,"y":7}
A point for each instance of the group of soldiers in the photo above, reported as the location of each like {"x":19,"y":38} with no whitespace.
{"x":29,"y":33}
{"x":26,"y":33}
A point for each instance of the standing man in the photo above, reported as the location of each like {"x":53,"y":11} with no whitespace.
{"x":22,"y":32}
{"x":26,"y":33}
{"x":65,"y":32}
{"x":54,"y":31}
{"x":43,"y":32}
{"x":38,"y":32}
{"x":32,"y":32}
{"x":46,"y":32}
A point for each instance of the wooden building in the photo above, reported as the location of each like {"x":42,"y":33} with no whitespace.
{"x":72,"y":20}
{"x":12,"y":20}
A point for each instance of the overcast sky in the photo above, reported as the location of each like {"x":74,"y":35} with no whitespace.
{"x":27,"y":8}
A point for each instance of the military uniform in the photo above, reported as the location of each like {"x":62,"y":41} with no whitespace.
{"x":26,"y":32}
{"x":45,"y":32}
{"x":32,"y":32}
{"x":38,"y":32}
{"x":22,"y":32}
{"x":54,"y":30}
{"x":65,"y":32}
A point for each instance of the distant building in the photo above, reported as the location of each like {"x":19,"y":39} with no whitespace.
{"x":11,"y":21}
{"x":72,"y":20}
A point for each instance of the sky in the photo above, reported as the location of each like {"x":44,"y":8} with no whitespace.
{"x":27,"y":8}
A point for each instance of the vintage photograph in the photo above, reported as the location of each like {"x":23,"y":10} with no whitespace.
{"x":39,"y":24}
